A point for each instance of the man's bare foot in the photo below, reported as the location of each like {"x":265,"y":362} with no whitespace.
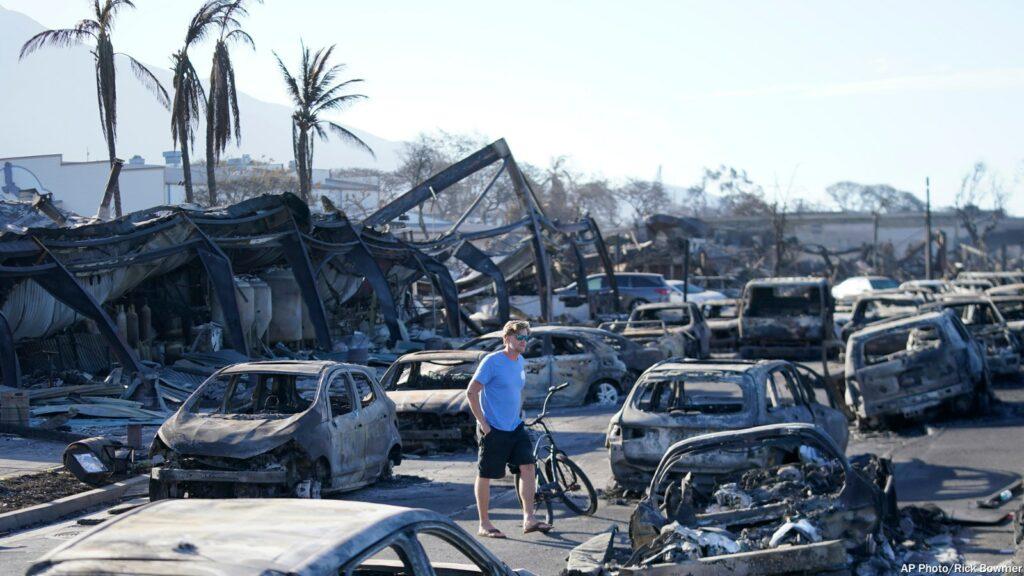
{"x":534,"y":525}
{"x":490,"y":532}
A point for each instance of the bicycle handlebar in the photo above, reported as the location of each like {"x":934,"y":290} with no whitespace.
{"x":544,"y":408}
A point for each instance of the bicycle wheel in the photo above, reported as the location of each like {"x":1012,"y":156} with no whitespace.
{"x":574,"y":487}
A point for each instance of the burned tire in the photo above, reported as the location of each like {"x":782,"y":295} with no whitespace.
{"x":387,"y":472}
{"x":575,"y":488}
{"x":604,"y":393}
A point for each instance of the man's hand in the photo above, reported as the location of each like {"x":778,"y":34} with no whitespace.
{"x":473,"y":395}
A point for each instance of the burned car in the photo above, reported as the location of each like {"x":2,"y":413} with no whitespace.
{"x":792,"y":504}
{"x":555,"y":355}
{"x":680,"y":399}
{"x":429,"y":392}
{"x":676,"y":328}
{"x":267,"y":537}
{"x":786,"y":318}
{"x":870,"y":308}
{"x":277,"y":428}
{"x":723,"y":318}
{"x":1011,"y":307}
{"x":987,"y":325}
{"x":909,"y":365}
{"x":636,"y":357}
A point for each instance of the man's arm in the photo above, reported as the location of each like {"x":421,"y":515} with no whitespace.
{"x":473,"y":395}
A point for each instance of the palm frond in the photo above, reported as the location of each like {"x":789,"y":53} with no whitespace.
{"x":338,"y":103}
{"x":148,"y":79}
{"x":289,"y":80}
{"x":333,"y":91}
{"x":350,"y":137}
{"x":241,"y":36}
{"x":110,"y":10}
{"x":60,"y":38}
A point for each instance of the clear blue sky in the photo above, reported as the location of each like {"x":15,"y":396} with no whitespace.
{"x":813,"y":91}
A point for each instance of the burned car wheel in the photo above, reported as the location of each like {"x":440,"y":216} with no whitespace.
{"x":604,"y":393}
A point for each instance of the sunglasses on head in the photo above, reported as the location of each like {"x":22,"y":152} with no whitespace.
{"x":523,"y":337}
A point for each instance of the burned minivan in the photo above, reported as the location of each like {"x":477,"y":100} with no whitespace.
{"x":429,"y":392}
{"x":680,"y":399}
{"x":277,"y":428}
{"x":678,"y":329}
{"x":910,"y":365}
{"x":792,"y":504}
{"x":786,"y":318}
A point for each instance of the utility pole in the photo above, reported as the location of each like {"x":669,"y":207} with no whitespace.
{"x":686,"y":269}
{"x":928,"y":228}
{"x":874,"y":252}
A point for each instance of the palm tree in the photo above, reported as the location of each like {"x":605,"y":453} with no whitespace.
{"x":188,"y":90}
{"x":222,"y":104}
{"x":97,"y":31}
{"x":315,"y":93}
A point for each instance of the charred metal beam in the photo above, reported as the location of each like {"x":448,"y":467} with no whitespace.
{"x":582,"y":289}
{"x":443,"y":282}
{"x":541,"y":262}
{"x":63,"y":286}
{"x":482,"y":263}
{"x":606,"y":262}
{"x":9,"y":367}
{"x":294,"y":248}
{"x":438,"y":182}
{"x":222,"y":276}
{"x":476,"y":201}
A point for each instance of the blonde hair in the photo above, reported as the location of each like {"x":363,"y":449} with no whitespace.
{"x":513,"y":326}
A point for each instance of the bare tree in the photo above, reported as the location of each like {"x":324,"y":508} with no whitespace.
{"x":644,"y":198}
{"x":979,"y":187}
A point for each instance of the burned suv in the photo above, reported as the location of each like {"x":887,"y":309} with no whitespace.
{"x":278,"y":428}
{"x":429,"y":392}
{"x":677,"y":329}
{"x":679,"y":399}
{"x":786,"y":318}
{"x":987,"y":325}
{"x":909,"y":365}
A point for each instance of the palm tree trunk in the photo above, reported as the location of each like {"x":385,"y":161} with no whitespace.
{"x":301,"y":150}
{"x":112,"y":154}
{"x":211,"y":177}
{"x":186,"y":164}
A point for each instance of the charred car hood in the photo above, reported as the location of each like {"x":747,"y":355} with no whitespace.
{"x":432,"y":401}
{"x":229,"y":436}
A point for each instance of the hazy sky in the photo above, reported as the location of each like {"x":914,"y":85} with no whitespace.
{"x":811,"y":92}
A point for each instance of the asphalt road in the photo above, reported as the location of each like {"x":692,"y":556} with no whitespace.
{"x":950,"y":462}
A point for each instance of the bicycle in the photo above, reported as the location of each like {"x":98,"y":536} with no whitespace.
{"x":558,"y":477}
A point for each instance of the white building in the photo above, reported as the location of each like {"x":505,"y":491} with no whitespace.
{"x":79,"y":186}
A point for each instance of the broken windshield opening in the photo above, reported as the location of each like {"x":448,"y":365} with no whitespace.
{"x":772,"y":301}
{"x":716,"y":312}
{"x":897,"y":343}
{"x":974,"y":314}
{"x":1012,"y":311}
{"x":878,"y":309}
{"x":710,"y":393}
{"x":264,"y":394}
{"x":435,"y":375}
{"x":670,"y":316}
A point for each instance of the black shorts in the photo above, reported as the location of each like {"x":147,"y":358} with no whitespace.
{"x":500,"y":448}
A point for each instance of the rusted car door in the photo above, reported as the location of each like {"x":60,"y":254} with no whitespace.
{"x":572,"y":361}
{"x":374,"y":418}
{"x":783,"y":400}
{"x":348,"y":434}
{"x":537,"y":359}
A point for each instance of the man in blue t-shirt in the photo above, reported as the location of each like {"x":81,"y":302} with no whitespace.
{"x":496,"y":397}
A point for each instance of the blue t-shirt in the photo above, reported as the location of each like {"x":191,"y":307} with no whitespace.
{"x":502,"y":398}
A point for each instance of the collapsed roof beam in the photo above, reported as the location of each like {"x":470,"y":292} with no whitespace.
{"x":455,"y":173}
{"x":476,"y":259}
